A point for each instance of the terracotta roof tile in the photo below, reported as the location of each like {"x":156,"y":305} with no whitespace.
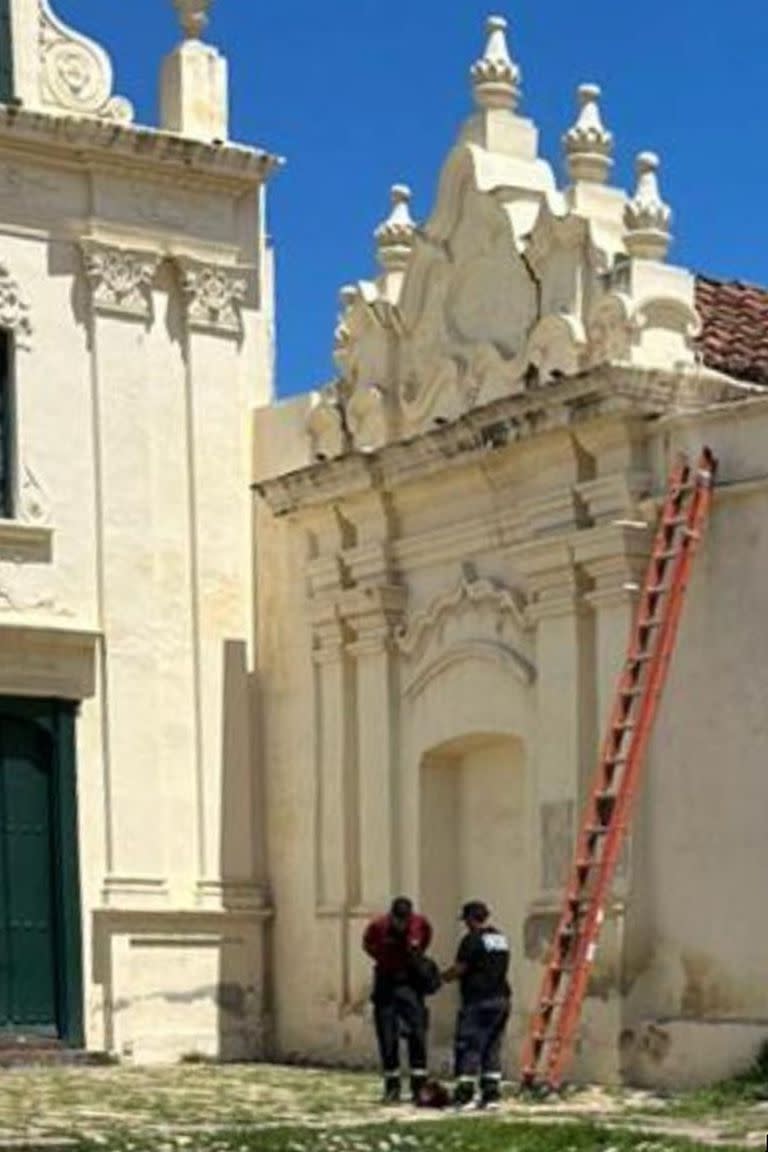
{"x":734,"y":336}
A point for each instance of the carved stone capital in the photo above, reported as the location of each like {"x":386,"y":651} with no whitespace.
{"x":214,"y":295}
{"x":14,"y":311}
{"x":120,"y":278}
{"x":376,"y":614}
{"x":556,"y":585}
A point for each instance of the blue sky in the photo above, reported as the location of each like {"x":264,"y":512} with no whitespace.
{"x":360,"y":94}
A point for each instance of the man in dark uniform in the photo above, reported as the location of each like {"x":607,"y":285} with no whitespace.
{"x":395,"y":942}
{"x":481,"y":967}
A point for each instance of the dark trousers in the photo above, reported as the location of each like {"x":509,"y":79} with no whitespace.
{"x":397,"y":1011}
{"x":479,"y":1034}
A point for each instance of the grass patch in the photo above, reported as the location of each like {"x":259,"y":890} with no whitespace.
{"x":471,"y":1134}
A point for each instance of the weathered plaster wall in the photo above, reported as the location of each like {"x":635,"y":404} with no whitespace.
{"x":428,"y":663}
{"x":503,"y":620}
{"x":125,"y":574}
{"x":696,"y":998}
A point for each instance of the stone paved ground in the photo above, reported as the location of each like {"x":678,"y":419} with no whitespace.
{"x":198,"y":1105}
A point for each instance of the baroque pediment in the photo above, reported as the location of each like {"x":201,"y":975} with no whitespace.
{"x":476,"y":620}
{"x":510,"y":284}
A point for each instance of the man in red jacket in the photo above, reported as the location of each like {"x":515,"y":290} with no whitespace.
{"x":393,"y":941}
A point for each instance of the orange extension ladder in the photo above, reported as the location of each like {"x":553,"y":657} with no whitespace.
{"x":552,"y":1029}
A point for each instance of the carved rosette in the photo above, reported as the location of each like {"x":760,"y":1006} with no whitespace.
{"x":214,"y":295}
{"x":14,"y":311}
{"x":76,"y":73}
{"x":120,"y":278}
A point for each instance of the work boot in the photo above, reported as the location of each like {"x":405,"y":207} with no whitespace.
{"x":490,"y":1092}
{"x":464,"y":1095}
{"x":418,"y":1080}
{"x":391,"y":1089}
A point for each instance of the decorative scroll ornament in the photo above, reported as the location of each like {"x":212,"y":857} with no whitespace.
{"x":120,"y":278}
{"x":14,"y":311}
{"x":412,"y":635}
{"x":215,"y":294}
{"x":76,"y":73}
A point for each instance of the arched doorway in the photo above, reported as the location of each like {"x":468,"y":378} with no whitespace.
{"x":473,"y":844}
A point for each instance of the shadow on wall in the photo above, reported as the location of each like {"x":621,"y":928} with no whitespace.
{"x":244,"y":980}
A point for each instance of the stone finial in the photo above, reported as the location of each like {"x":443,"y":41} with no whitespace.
{"x":647,"y":218}
{"x":588,"y":144}
{"x":193,"y":17}
{"x":194,"y":86}
{"x":495,"y":76}
{"x":394,"y":236}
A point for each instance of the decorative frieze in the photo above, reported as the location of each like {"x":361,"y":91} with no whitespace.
{"x":214,"y":295}
{"x":120,"y":278}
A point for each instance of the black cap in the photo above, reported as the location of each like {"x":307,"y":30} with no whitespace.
{"x":474,"y":910}
{"x":401,"y":908}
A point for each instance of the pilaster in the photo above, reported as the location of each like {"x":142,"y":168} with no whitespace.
{"x":336,"y":833}
{"x":119,"y":281}
{"x":375,"y":618}
{"x":565,"y":721}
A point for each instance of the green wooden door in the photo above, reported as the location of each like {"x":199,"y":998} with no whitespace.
{"x":27,"y":911}
{"x":39,"y":906}
{"x":7,"y":92}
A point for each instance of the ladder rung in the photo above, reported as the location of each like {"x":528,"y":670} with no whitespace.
{"x":647,"y":622}
{"x":640,"y":658}
{"x":675,"y":521}
{"x":667,"y":554}
{"x":631,"y":693}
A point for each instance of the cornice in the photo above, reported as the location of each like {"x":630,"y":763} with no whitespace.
{"x":486,"y":429}
{"x":561,"y":407}
{"x":86,"y":142}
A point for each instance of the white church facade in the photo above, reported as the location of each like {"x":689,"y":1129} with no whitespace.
{"x":265,"y":665}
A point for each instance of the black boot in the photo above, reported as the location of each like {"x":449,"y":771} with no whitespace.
{"x":391,"y":1088}
{"x":418,"y":1080}
{"x":490,"y":1092}
{"x":464,"y":1094}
